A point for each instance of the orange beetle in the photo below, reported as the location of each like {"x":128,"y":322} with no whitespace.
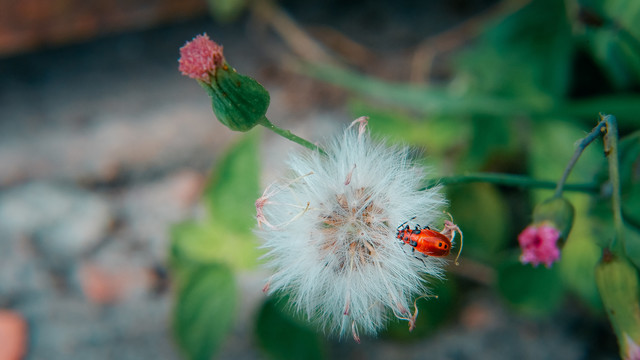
{"x":430,"y":242}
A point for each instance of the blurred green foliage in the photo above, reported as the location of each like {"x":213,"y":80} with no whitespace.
{"x":205,"y":254}
{"x":204,"y":307}
{"x":529,"y":87}
{"x":433,"y":312}
{"x":526,"y":89}
{"x":284,"y":335}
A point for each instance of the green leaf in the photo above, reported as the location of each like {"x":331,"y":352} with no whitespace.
{"x":204,"y":307}
{"x":213,"y":242}
{"x":234,"y":186}
{"x":282,"y":336}
{"x":533,"y":290}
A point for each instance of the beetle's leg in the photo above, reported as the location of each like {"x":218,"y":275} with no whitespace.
{"x":423,"y":263}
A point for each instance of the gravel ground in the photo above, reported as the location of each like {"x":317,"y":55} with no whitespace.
{"x":104,"y":145}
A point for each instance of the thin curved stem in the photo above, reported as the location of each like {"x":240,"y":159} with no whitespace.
{"x":291,"y":136}
{"x":594,"y":134}
{"x":510,"y":180}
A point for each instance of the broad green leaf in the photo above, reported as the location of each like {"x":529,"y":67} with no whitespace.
{"x":533,"y":290}
{"x":234,"y":186}
{"x":204,"y":307}
{"x":282,"y":336}
{"x":213,"y":242}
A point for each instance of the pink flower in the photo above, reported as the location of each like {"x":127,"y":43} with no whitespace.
{"x":199,"y":58}
{"x":633,"y":350}
{"x":539,"y":244}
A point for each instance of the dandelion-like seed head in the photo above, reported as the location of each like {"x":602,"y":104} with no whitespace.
{"x":200,"y":57}
{"x":330,"y":231}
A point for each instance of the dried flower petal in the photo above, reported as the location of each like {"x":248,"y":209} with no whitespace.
{"x":200,"y":57}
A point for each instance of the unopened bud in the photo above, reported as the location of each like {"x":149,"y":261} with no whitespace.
{"x":617,"y":281}
{"x":558,"y":212}
{"x":239,"y":102}
{"x":541,"y":241}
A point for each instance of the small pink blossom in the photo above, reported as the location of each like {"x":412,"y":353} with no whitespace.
{"x":633,"y":350}
{"x":200,"y":57}
{"x":539,"y":244}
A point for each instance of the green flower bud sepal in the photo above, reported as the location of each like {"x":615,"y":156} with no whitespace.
{"x":617,"y":281}
{"x":557,"y":212}
{"x":238,"y":101}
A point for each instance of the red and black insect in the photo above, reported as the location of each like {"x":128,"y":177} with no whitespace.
{"x":430,"y":242}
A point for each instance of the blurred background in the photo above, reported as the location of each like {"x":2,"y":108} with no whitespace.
{"x":106,"y":158}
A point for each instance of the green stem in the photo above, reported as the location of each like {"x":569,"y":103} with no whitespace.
{"x":594,"y":134}
{"x":611,"y":150}
{"x":510,"y":180}
{"x":291,"y":136}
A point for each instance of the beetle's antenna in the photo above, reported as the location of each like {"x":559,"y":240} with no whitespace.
{"x":401,"y":225}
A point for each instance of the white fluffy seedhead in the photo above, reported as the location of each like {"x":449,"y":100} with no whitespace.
{"x":330,"y":231}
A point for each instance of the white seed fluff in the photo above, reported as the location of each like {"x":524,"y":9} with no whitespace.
{"x":330,"y":233}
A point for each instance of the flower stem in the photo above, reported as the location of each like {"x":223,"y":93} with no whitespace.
{"x":510,"y":180}
{"x":611,"y":151}
{"x":289,"y":135}
{"x":595,"y":133}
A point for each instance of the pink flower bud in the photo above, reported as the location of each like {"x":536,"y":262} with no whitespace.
{"x":633,"y":350}
{"x":539,"y":244}
{"x":200,"y":57}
